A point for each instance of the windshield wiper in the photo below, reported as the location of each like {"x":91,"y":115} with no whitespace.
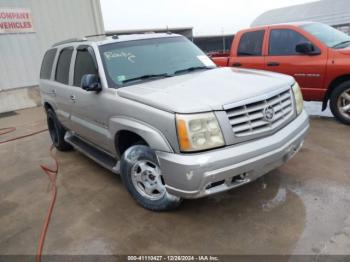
{"x":341,"y":43}
{"x":146,"y":77}
{"x":192,"y":68}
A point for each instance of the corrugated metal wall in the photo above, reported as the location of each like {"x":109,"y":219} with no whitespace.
{"x":53,"y":20}
{"x":332,"y":12}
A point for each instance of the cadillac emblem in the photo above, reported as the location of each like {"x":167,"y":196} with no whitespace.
{"x":268,"y":113}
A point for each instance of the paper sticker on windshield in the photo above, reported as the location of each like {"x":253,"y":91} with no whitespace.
{"x":121,"y":78}
{"x":205,"y":60}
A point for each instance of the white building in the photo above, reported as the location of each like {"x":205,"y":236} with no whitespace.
{"x":335,"y":13}
{"x":27,"y":29}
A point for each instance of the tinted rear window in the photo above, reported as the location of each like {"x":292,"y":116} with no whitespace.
{"x":46,"y":66}
{"x":251,"y":44}
{"x":62,"y":70}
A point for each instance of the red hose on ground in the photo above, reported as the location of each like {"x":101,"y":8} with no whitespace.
{"x":52,"y":175}
{"x":7,"y":130}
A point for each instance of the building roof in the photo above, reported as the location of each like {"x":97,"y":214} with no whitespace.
{"x":331,"y":12}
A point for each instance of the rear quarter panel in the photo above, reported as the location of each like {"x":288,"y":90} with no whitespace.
{"x":47,"y":96}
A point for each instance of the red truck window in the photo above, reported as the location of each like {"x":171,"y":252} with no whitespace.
{"x":251,"y":43}
{"x":283,"y":42}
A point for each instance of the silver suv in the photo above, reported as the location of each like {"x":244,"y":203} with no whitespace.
{"x":156,"y":110}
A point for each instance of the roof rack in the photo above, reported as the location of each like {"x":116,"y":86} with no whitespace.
{"x":115,"y":36}
{"x":95,"y":35}
{"x":85,"y":38}
{"x":70,"y":40}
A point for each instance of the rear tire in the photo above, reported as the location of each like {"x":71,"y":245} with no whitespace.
{"x":141,"y":176}
{"x":340,"y":103}
{"x":57,"y":131}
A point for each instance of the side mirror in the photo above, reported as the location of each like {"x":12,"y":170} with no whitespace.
{"x":91,"y":82}
{"x":307,"y":49}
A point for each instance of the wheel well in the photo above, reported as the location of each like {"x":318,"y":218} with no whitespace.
{"x":125,"y":139}
{"x":336,"y":82}
{"x":47,"y":106}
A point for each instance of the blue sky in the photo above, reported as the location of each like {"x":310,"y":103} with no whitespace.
{"x":207,"y":17}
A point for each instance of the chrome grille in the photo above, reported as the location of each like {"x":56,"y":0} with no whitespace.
{"x":249,"y":119}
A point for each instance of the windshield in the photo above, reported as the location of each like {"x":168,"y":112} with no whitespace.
{"x":149,"y":59}
{"x":328,"y":35}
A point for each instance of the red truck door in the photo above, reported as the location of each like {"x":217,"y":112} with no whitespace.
{"x":249,"y":50}
{"x":308,"y":70}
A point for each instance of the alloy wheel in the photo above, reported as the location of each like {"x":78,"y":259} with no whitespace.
{"x":147,"y":180}
{"x":343,"y":103}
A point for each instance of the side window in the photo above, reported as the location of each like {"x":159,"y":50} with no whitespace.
{"x":283,"y":42}
{"x":251,"y":43}
{"x":63,"y":63}
{"x":46,"y":66}
{"x":84,"y":64}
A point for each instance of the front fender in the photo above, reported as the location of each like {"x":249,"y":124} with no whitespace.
{"x":154,"y":138}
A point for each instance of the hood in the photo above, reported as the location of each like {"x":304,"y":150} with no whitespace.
{"x":205,"y":90}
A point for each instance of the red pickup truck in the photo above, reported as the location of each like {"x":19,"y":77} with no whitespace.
{"x":315,"y":54}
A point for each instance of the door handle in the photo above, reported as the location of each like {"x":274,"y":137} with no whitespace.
{"x":73,"y":98}
{"x":236,"y":64}
{"x":273,"y":64}
{"x":53,"y":92}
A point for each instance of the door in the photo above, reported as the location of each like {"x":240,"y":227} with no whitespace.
{"x":61,"y":88}
{"x":308,"y":70}
{"x":249,"y":51}
{"x":90,"y":111}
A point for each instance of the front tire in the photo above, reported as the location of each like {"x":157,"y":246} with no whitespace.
{"x":57,"y":131}
{"x":340,"y":103}
{"x":142,"y":177}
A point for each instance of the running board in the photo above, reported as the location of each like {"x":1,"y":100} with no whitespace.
{"x":102,"y":158}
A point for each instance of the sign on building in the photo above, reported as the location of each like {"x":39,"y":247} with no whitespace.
{"x":15,"y":21}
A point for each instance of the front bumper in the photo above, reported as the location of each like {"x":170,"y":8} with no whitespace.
{"x":206,"y":173}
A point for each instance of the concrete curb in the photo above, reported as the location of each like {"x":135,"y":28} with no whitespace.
{"x":19,"y":98}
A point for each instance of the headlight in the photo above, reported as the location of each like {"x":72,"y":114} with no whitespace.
{"x":299,"y":102}
{"x":198,"y":132}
